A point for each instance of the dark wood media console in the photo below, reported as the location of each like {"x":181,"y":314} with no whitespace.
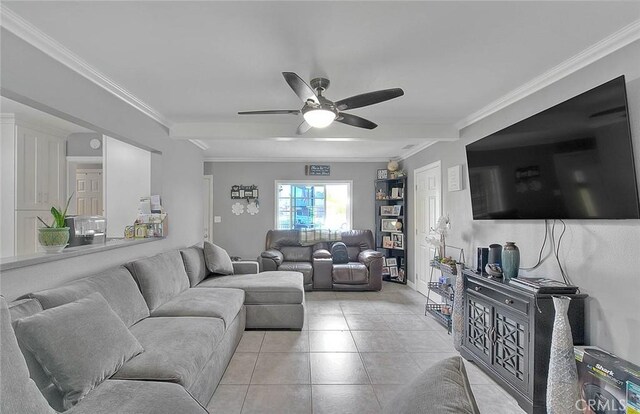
{"x":507,"y":333}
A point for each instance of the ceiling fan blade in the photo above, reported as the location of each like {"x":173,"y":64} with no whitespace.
{"x":370,"y":98}
{"x":303,"y":127}
{"x":299,"y":86}
{"x":355,"y":121}
{"x":273,"y":112}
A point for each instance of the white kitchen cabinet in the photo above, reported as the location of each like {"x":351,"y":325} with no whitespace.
{"x":33,"y":180}
{"x":27,"y":237}
{"x":40,"y":169}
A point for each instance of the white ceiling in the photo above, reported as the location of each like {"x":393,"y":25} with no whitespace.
{"x":198,"y":63}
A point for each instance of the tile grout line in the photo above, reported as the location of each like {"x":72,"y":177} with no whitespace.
{"x":244,"y":400}
{"x":365,"y":365}
{"x":310,"y":374}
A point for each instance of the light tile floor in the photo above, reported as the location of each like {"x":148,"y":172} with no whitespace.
{"x":354,"y":353}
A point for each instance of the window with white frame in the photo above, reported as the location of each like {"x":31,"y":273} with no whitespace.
{"x":313,"y":205}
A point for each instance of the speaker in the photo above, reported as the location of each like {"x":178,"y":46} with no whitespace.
{"x":482,"y":258}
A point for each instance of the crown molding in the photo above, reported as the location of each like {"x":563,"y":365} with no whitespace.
{"x":604,"y":47}
{"x":284,"y":159}
{"x":416,"y":149}
{"x":7,"y":118}
{"x":32,"y":35}
{"x":200,"y":144}
{"x":36,"y":125}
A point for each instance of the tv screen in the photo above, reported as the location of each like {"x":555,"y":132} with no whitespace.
{"x":571,"y":161}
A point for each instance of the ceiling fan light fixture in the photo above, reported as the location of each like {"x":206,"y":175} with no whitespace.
{"x":319,"y":118}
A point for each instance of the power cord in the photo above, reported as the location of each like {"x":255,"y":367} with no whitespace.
{"x":556,"y":249}
{"x":544,"y":242}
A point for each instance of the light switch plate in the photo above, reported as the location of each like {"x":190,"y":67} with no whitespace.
{"x":217,"y":219}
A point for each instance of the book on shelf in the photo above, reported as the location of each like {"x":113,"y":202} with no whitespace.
{"x":543,"y":285}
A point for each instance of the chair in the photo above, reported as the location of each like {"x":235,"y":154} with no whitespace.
{"x":364,"y":269}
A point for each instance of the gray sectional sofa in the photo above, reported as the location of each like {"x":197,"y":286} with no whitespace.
{"x":273,"y":299}
{"x":183,"y":322}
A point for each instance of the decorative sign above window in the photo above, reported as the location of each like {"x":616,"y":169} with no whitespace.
{"x":317,"y":169}
{"x":244,"y":192}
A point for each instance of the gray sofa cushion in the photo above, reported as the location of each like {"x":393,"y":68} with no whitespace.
{"x":160,"y":278}
{"x":138,"y":397}
{"x":263,"y":288}
{"x":354,"y":273}
{"x":194,"y":264}
{"x":175,"y":349}
{"x":245,"y":267}
{"x":22,"y":308}
{"x":297,"y":253}
{"x":78,"y":344}
{"x":19,"y":393}
{"x":214,"y":303}
{"x":306,"y":268}
{"x":442,"y":389}
{"x":116,"y":285}
{"x":217,"y":259}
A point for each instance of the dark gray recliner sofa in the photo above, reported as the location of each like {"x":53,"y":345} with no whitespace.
{"x":285,"y":251}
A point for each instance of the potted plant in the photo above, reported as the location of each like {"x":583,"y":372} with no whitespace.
{"x":437,"y":236}
{"x":55,"y":237}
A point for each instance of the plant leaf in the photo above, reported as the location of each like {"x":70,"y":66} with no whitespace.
{"x":64,"y":213}
{"x":56,"y":216}
{"x":45,"y":224}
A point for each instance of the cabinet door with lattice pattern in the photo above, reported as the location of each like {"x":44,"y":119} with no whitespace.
{"x":478,"y":326}
{"x":510,"y":337}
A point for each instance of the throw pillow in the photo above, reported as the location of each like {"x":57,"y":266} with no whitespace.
{"x":79,"y":344}
{"x":217,"y":259}
{"x":19,"y":393}
{"x":442,"y":389}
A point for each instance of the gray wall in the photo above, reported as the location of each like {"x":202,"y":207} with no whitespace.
{"x":177,"y":175}
{"x":78,"y":144}
{"x":244,"y":235}
{"x":601,"y":256}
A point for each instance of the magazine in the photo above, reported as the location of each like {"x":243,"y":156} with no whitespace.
{"x":542,"y":284}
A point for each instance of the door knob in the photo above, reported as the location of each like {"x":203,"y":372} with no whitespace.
{"x":508,"y":301}
{"x":477,"y":288}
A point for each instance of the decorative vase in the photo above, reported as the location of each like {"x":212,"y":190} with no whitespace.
{"x":457,"y":318}
{"x":510,"y":260}
{"x":562,"y":383}
{"x":495,"y":254}
{"x":53,"y":239}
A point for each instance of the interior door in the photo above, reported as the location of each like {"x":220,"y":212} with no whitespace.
{"x":428,"y":208}
{"x":207,"y":199}
{"x":89,"y":192}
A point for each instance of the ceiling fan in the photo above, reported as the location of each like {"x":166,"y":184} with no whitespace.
{"x":319,"y":112}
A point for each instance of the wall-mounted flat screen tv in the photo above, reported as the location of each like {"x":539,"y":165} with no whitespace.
{"x":571,"y":161}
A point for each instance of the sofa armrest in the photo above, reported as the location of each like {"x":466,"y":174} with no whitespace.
{"x":245,"y":267}
{"x":322,"y":254}
{"x":274,"y":255}
{"x":368,"y":256}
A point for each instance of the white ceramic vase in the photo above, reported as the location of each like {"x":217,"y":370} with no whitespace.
{"x":562,"y":382}
{"x":457,"y":317}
